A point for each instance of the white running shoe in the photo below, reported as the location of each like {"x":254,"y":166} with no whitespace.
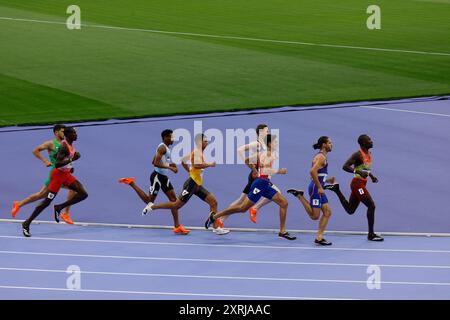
{"x":147,"y":208}
{"x":221,"y":231}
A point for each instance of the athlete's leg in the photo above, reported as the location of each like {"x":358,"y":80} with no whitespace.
{"x":370,"y":204}
{"x":261,"y":203}
{"x":313,"y":212}
{"x":239,"y":200}
{"x":37,"y":211}
{"x":173,"y":198}
{"x":240,"y":207}
{"x":212,"y":201}
{"x":34,"y":197}
{"x":168,"y":205}
{"x":80,"y":195}
{"x":283,"y":203}
{"x":349,"y":206}
{"x":324,"y":220}
{"x":70,"y":196}
{"x":144,"y":197}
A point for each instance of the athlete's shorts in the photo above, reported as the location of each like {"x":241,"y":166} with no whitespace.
{"x":251,"y":179}
{"x":190,"y":188}
{"x":158,"y":182}
{"x":315,"y":199}
{"x":58,"y":179}
{"x":358,"y":187}
{"x":47,"y":182}
{"x":261,"y":188}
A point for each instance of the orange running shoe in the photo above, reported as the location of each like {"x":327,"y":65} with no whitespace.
{"x":127,"y":180}
{"x":253,"y":212}
{"x":66,"y":218}
{"x":220,"y":223}
{"x":15,"y":209}
{"x":181,"y":230}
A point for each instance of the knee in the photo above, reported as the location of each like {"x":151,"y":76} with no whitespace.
{"x":178,"y":204}
{"x":213,"y":203}
{"x":84,"y":194}
{"x":327,"y":213}
{"x":284,"y":204}
{"x":315,"y":216}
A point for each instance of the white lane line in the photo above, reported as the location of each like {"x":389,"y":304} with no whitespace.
{"x":224,"y":277}
{"x":409,"y":111}
{"x":223,"y":260}
{"x":227,"y":245}
{"x":235,"y":37}
{"x":169,"y":293}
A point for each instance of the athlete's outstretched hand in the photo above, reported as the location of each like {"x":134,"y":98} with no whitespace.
{"x":48,"y":163}
{"x":212,"y":164}
{"x":282,"y":171}
{"x":374,"y":179}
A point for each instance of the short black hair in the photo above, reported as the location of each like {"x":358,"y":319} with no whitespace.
{"x":166,"y":133}
{"x":320,"y":142}
{"x":260,"y":127}
{"x":361,"y":139}
{"x":68,"y":131}
{"x":58,"y":127}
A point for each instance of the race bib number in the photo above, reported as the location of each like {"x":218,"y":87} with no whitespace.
{"x":316,"y":202}
{"x":361,"y":191}
{"x":256,"y":191}
{"x":51,"y":196}
{"x":185,"y":192}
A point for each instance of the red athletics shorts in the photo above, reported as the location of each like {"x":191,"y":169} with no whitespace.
{"x":59,"y":178}
{"x":358,"y":187}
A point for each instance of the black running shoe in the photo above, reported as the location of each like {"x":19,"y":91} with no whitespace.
{"x":323,"y":242}
{"x":286,"y":235}
{"x":210,"y":220}
{"x":332,"y":187}
{"x":57,"y":213}
{"x":296,"y":192}
{"x":374,"y":237}
{"x":26,"y":230}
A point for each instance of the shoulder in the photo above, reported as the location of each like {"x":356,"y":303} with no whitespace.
{"x":357,"y":155}
{"x":320,"y":157}
{"x":162,"y":148}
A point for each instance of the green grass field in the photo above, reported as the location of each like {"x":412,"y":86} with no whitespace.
{"x":48,"y":73}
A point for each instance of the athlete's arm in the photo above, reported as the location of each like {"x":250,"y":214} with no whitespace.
{"x":374,"y":179}
{"x":352,"y":163}
{"x":184,"y":162}
{"x":251,"y":163}
{"x":157,"y":160}
{"x":62,"y":157}
{"x":318,"y":162}
{"x":198,"y":162}
{"x":250,"y":146}
{"x":48,"y":145}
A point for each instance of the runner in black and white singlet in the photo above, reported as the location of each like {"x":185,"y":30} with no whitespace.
{"x":194,"y":184}
{"x":159,"y":179}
